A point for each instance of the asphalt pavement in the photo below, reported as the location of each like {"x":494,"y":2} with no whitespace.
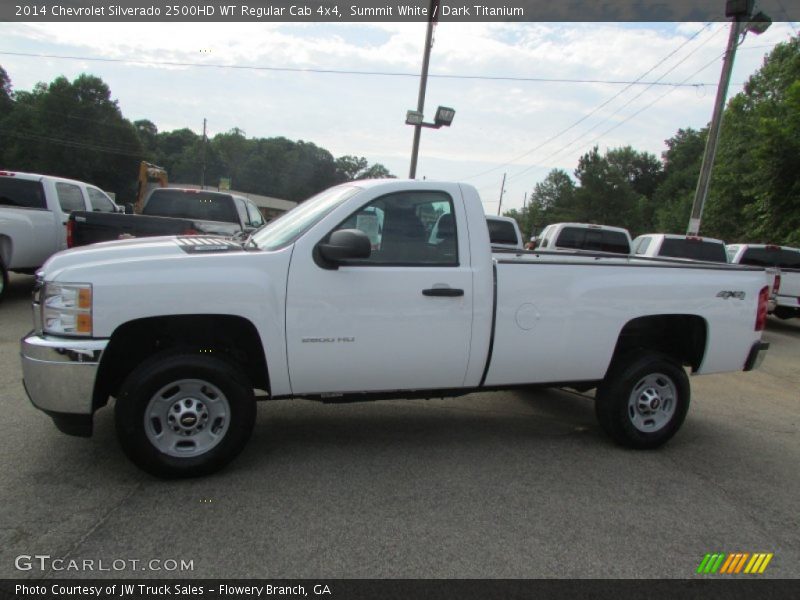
{"x":515,"y":484}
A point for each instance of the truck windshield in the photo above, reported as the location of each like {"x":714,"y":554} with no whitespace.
{"x":694,"y":249}
{"x":191,"y":204}
{"x":290,"y":226}
{"x":594,"y":240}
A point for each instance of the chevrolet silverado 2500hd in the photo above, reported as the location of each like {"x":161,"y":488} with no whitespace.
{"x":324,"y":304}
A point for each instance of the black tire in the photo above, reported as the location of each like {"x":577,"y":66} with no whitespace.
{"x":216,"y":381}
{"x":3,"y":279}
{"x":632,"y":402}
{"x":785,"y":312}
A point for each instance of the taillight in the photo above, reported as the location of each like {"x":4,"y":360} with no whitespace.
{"x":70,"y":233}
{"x":190,"y":231}
{"x":776,"y":285}
{"x":761,"y":313}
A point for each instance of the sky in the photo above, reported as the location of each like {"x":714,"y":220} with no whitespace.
{"x":507,"y":120}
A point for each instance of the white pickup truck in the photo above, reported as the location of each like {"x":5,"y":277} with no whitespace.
{"x":183,"y":330}
{"x":33,"y":216}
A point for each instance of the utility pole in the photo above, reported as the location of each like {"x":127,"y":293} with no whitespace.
{"x":502,"y":191}
{"x":701,"y":192}
{"x":203,"y":172}
{"x":433,"y":16}
{"x":744,"y":22}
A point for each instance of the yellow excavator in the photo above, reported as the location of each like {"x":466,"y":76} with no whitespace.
{"x":150,"y":176}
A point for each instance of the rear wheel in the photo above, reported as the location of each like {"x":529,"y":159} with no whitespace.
{"x":643,"y":400}
{"x":184,"y":415}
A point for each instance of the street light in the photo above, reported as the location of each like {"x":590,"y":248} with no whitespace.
{"x":743,"y":21}
{"x":443,"y":118}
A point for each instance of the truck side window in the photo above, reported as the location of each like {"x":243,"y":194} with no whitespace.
{"x":241,"y":210}
{"x":69,"y":197}
{"x":408,"y":228}
{"x":99,"y":201}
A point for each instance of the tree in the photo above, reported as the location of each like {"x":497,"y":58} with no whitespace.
{"x":755,"y":187}
{"x":72,"y":129}
{"x":607,"y":193}
{"x":673,"y":197}
{"x":6,"y":94}
{"x":552,"y":200}
{"x":147,"y":132}
{"x":350,"y":168}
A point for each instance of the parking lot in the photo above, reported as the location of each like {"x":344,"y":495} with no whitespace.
{"x":493,"y":485}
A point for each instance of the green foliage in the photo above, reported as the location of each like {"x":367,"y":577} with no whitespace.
{"x":754,"y":194}
{"x":6,"y":95}
{"x":673,"y":197}
{"x":72,"y":129}
{"x":350,"y":168}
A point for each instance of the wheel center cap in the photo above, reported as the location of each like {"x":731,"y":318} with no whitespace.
{"x":189,"y":420}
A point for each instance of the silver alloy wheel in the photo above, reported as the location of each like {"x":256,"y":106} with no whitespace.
{"x":652,"y":402}
{"x":187,"y":418}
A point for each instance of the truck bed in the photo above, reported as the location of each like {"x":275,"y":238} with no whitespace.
{"x":92,"y":227}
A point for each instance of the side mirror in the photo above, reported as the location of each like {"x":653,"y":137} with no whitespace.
{"x":128,"y":208}
{"x":345,"y":244}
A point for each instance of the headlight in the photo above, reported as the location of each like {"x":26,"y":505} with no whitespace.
{"x":67,"y":308}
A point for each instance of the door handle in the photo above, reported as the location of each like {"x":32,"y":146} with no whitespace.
{"x":443,"y":291}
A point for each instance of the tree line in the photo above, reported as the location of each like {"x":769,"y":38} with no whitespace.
{"x":75,"y":129}
{"x":754,"y":194}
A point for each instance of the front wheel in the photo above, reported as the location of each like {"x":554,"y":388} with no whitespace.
{"x":184,"y":415}
{"x":643,"y":400}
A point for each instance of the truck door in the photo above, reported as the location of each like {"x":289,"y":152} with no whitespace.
{"x":401,"y":319}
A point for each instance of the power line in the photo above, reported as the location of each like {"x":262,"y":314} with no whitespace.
{"x":631,"y":116}
{"x":72,"y":143}
{"x":318,"y":70}
{"x":628,"y":103}
{"x":590,"y":113}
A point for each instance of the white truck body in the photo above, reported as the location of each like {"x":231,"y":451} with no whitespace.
{"x":377,"y":328}
{"x":782,"y":264}
{"x":33,"y":215}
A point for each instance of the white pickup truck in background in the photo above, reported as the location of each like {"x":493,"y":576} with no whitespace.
{"x":672,"y":245}
{"x":782,"y":264}
{"x":33,"y":216}
{"x":182,"y":330}
{"x":585,"y":236}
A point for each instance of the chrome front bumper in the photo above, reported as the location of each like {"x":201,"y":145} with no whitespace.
{"x":59,"y":373}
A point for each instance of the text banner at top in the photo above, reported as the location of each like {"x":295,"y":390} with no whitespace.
{"x":451,"y":11}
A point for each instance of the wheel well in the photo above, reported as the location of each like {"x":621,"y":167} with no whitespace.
{"x":681,"y":337}
{"x":5,"y":250}
{"x":232,"y":338}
